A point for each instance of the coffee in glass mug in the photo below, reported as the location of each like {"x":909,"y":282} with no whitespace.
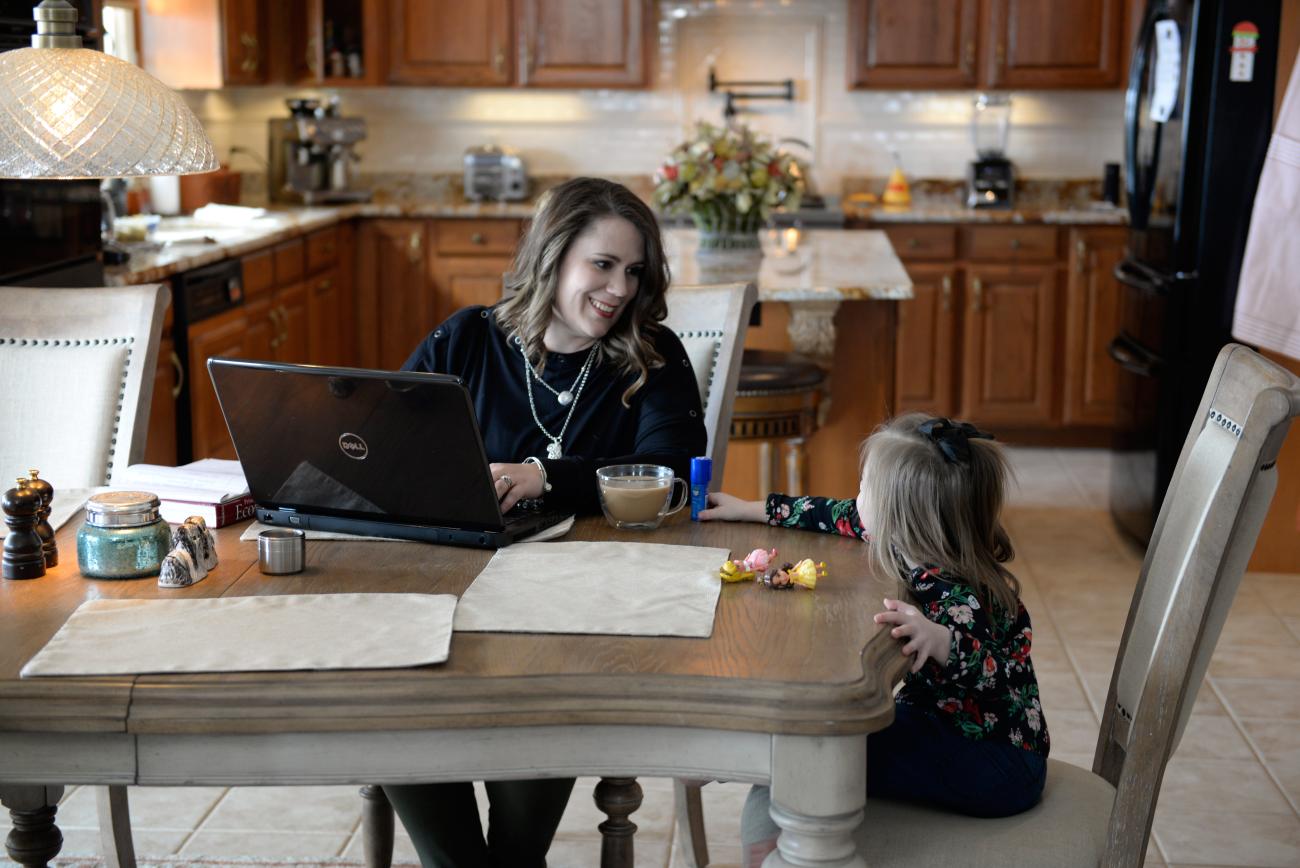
{"x":639,"y":495}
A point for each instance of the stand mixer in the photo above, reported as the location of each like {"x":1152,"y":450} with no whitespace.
{"x":312,"y":153}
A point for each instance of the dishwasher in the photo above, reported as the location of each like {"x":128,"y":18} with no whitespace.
{"x":198,"y":294}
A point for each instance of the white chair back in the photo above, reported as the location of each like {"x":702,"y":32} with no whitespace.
{"x":76,"y":379}
{"x":711,"y":322}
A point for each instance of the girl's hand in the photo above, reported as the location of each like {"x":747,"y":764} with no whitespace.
{"x":514,"y":482}
{"x":725,"y":507}
{"x":926,"y":639}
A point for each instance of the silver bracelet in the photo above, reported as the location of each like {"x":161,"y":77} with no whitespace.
{"x":537,"y":462}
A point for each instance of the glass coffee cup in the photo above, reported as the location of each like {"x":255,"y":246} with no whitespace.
{"x":639,"y":495}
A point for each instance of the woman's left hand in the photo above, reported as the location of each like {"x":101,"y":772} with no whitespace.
{"x":514,"y":482}
{"x":926,"y":639}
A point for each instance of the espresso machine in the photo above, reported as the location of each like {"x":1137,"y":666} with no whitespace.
{"x":992,"y":178}
{"x":312,"y":153}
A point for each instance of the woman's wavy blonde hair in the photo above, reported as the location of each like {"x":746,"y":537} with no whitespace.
{"x":564,"y":212}
{"x":927,"y":509}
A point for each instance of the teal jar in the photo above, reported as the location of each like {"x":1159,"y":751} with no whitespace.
{"x":123,"y":537}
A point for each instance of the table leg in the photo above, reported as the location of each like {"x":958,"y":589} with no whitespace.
{"x":34,"y":839}
{"x":819,"y":792}
{"x":617,"y":798}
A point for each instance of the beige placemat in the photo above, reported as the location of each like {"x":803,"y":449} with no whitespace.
{"x":637,"y":589}
{"x":249,"y":634}
{"x":250,"y":533}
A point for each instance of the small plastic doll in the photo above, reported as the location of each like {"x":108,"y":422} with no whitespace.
{"x":745,"y":569}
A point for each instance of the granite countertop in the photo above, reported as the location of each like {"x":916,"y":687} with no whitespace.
{"x":798,"y":266}
{"x":1059,"y":201}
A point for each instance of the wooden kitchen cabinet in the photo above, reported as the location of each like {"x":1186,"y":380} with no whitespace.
{"x":912,"y":43}
{"x":325,"y":33}
{"x":1047,"y":43}
{"x":395,"y":304}
{"x":529,"y":43}
{"x":1092,"y":319}
{"x":999,"y":43}
{"x":160,"y":445}
{"x":206,"y":44}
{"x":926,"y":341}
{"x":1009,"y":346}
{"x":243,"y":43}
{"x":470,"y":260}
{"x":225,"y":334}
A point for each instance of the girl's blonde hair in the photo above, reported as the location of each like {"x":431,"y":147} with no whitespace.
{"x":564,"y":212}
{"x":931,"y":506}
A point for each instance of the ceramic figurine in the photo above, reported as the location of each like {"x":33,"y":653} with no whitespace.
{"x":209,"y":542}
{"x":189,"y":538}
{"x":178,"y":569}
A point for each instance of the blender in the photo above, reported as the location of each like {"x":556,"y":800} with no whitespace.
{"x":992,"y":178}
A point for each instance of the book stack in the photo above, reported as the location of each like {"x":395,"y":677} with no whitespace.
{"x":212,"y":488}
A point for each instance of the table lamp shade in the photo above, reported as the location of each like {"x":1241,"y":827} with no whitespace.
{"x":77,"y":113}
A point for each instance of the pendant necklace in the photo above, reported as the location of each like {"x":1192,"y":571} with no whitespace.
{"x":566,"y":398}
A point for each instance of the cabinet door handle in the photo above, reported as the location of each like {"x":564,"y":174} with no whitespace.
{"x":499,"y":63}
{"x":1015,"y":243}
{"x":413,"y":248}
{"x":1002,"y":55}
{"x":274,"y":314}
{"x":249,"y":42}
{"x":977,"y":294}
{"x":1081,"y":256}
{"x":284,"y":324}
{"x":326,"y":284}
{"x":478,"y":238}
{"x":968,"y":58}
{"x":945,"y":293}
{"x":313,"y":48}
{"x":180,"y":375}
{"x":913,"y":243}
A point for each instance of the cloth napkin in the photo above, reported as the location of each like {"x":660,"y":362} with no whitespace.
{"x":635,"y":589}
{"x":249,"y":634}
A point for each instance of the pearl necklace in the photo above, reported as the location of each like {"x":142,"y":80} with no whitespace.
{"x":556,"y":449}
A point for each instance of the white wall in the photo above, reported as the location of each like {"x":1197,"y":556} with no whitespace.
{"x":611,"y":132}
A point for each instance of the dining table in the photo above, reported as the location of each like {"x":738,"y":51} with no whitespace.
{"x":783,"y":692}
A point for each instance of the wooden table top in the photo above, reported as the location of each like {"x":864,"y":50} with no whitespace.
{"x":797,"y":661}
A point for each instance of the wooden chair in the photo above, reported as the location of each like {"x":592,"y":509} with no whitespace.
{"x":711,"y":322}
{"x":76,"y":373}
{"x":76,"y":380}
{"x":1204,"y":536}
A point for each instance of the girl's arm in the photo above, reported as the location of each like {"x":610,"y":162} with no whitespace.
{"x":976,"y":659}
{"x":815,"y":513}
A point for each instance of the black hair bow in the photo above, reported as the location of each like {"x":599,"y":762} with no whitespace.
{"x":952,"y":438}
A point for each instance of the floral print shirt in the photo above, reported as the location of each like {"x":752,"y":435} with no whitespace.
{"x":988,"y":689}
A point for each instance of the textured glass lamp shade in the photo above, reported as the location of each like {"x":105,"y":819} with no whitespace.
{"x":77,"y":113}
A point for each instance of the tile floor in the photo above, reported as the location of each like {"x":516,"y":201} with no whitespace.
{"x":1231,"y":794}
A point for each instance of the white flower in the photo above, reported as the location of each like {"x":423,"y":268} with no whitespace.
{"x":1034,"y":718}
{"x":973,"y":601}
{"x":961,"y":614}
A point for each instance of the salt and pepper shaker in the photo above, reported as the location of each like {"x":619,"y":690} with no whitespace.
{"x":24,"y":554}
{"x":46,"y":493}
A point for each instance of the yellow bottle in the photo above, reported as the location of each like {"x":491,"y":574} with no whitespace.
{"x":897,"y":192}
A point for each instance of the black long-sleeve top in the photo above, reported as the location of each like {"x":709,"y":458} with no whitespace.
{"x":664,"y":423}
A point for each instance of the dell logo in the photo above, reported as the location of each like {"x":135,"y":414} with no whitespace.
{"x":353,"y":446}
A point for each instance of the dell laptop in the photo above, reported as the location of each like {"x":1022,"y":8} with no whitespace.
{"x":377,"y":453}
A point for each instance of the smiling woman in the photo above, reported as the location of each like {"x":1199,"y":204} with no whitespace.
{"x":575,"y":366}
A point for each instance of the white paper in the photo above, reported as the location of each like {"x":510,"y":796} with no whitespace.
{"x":1169,"y":68}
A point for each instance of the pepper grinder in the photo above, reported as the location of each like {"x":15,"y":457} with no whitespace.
{"x":24,"y":556}
{"x":46,"y":493}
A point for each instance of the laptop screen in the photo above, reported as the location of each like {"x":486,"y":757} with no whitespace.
{"x":375,"y":445}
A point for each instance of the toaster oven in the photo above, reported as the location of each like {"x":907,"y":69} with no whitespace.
{"x":497,"y":173}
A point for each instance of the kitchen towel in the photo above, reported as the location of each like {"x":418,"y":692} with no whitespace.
{"x":1268,"y":291}
{"x":249,"y":634}
{"x":634,"y":589}
{"x":251,"y":532}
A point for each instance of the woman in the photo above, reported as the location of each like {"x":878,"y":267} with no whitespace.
{"x":573,"y":372}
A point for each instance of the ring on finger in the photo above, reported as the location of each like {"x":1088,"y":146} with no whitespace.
{"x":507,"y":480}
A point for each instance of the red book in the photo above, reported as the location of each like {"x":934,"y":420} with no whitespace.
{"x":215,"y":514}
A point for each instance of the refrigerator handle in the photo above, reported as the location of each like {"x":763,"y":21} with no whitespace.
{"x":1132,"y":356}
{"x":1136,"y":186}
{"x":1142,"y":277}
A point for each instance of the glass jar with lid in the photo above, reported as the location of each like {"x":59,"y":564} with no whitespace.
{"x":123,"y":537}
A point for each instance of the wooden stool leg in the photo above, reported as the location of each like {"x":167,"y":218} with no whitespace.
{"x":617,"y":798}
{"x":115,"y":841}
{"x":376,"y":827}
{"x":34,"y":839}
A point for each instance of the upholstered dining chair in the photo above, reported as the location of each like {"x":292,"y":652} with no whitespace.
{"x":76,"y":377}
{"x":710,"y":321}
{"x":1206,"y":530}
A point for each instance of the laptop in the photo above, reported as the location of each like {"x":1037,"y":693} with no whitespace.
{"x":376,"y":453}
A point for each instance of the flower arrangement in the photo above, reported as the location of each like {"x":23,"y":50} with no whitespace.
{"x":728,"y":179}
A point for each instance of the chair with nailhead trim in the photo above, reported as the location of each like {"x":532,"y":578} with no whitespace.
{"x":76,"y":380}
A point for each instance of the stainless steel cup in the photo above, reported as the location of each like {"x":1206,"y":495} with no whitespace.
{"x":281,"y":551}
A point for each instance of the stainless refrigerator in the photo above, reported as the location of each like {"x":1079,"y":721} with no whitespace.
{"x":1198,"y":116}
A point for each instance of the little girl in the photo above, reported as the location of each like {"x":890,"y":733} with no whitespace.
{"x":968,"y":732}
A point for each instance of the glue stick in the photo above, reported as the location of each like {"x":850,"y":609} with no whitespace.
{"x":701,"y":475}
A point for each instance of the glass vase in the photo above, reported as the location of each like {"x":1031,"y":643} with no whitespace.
{"x":723,"y":228}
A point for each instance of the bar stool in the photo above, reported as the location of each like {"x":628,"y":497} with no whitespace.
{"x":777,"y":399}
